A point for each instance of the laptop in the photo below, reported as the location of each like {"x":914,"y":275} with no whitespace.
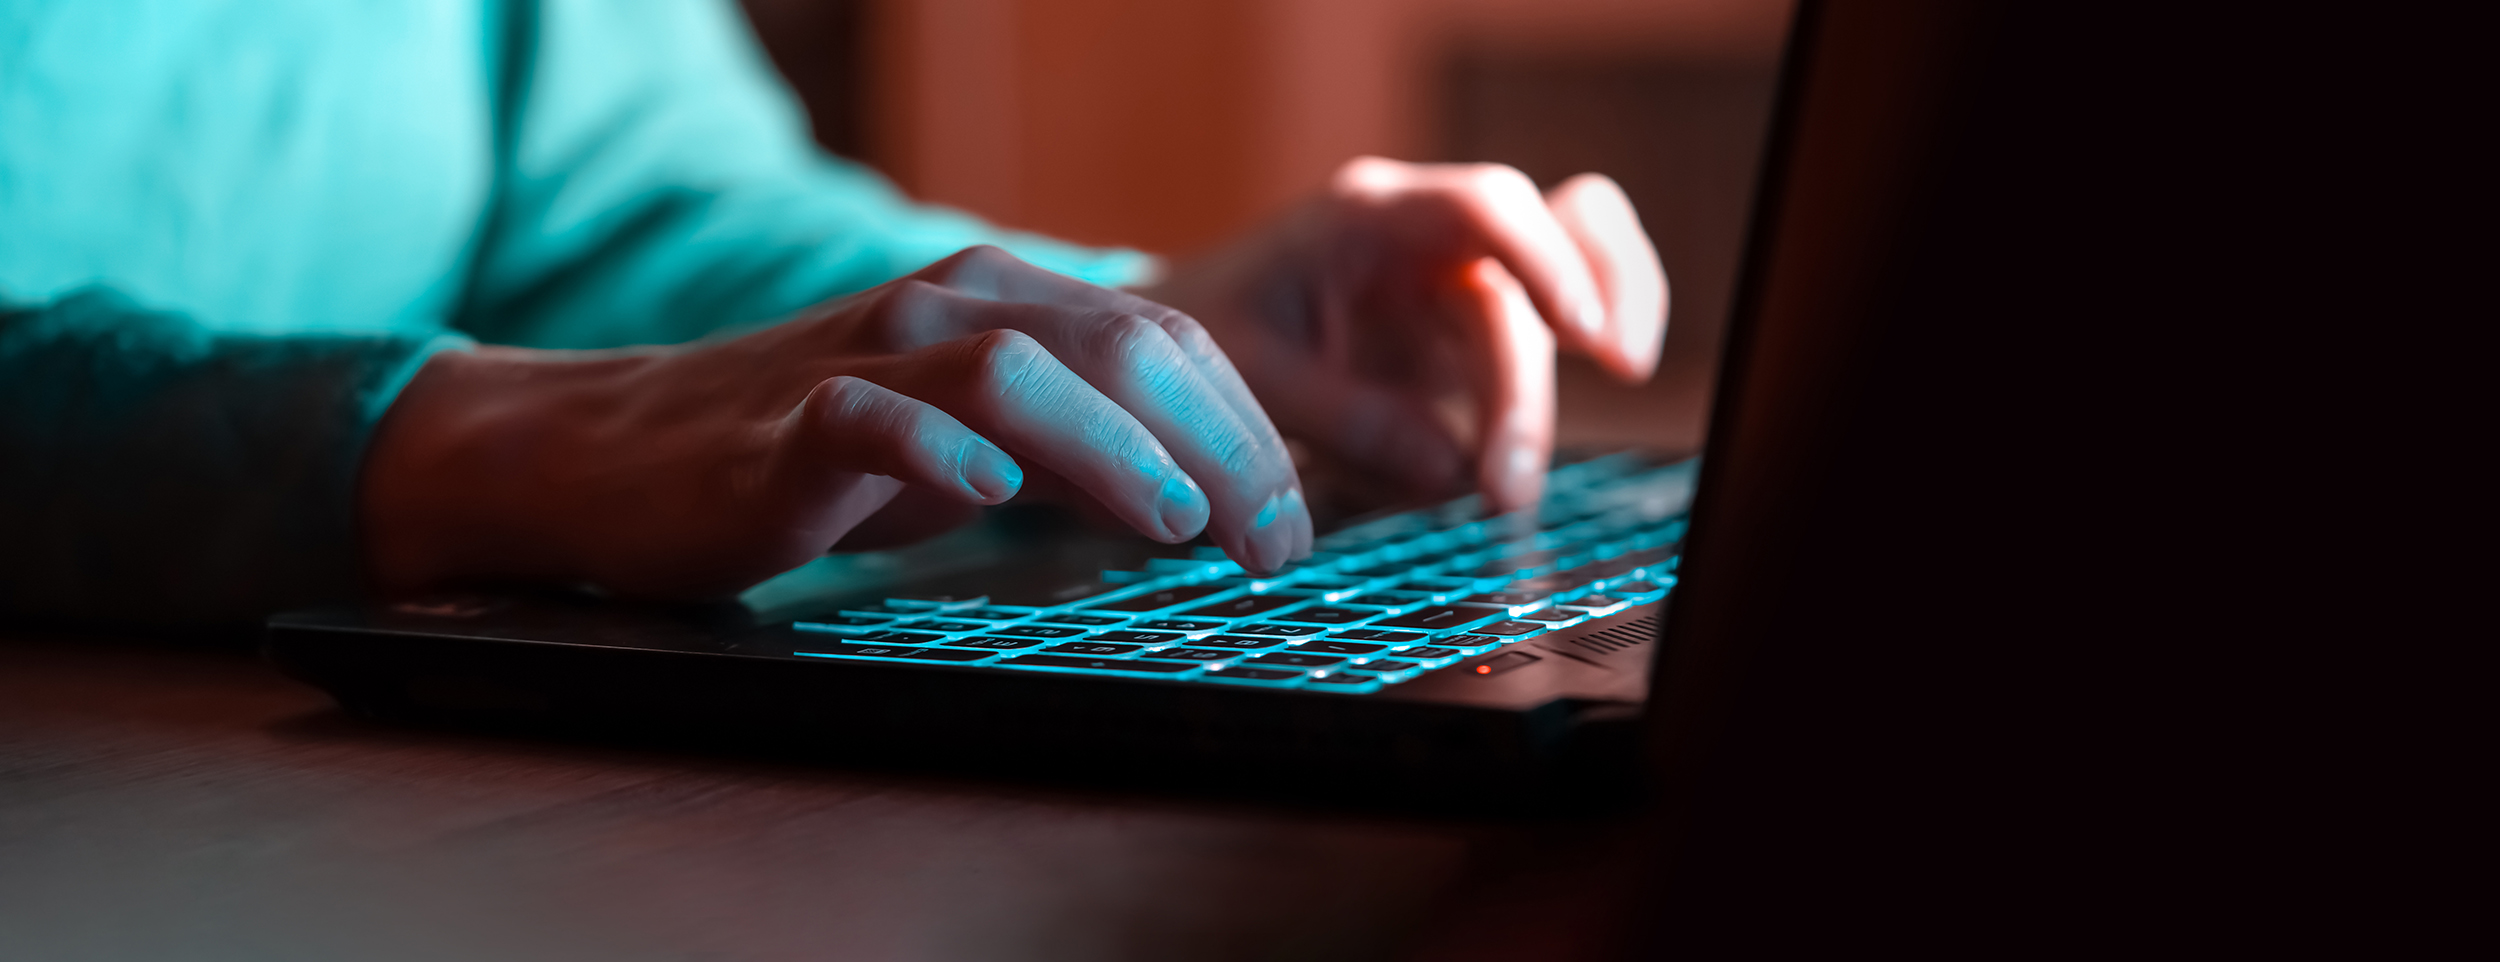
{"x":1428,"y":655}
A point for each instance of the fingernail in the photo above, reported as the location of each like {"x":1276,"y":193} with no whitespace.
{"x":990,"y":473}
{"x":1270,"y":544}
{"x":1183,"y":508}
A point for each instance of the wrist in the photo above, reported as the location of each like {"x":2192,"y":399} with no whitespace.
{"x":454,"y":479}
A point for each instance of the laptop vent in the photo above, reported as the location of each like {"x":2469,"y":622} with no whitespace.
{"x":1621,"y":637}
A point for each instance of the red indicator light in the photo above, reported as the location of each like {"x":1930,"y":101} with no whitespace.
{"x":1484,"y":669}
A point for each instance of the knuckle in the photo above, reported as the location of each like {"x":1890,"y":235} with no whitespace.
{"x":905,"y":310}
{"x":1237,"y":455}
{"x":849,"y":403}
{"x":1002,"y":359}
{"x":1498,"y":177}
{"x":943,"y":269}
{"x":882,"y":427}
{"x":1369,"y":175}
{"x":973,"y":267}
{"x":1191,"y":336}
{"x":911,"y":293}
{"x":841,"y":392}
{"x":1498,"y":186}
{"x":1130,"y":341}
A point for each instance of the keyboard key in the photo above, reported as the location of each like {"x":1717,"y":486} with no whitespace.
{"x":1041,"y":631}
{"x":1551,"y":615}
{"x":894,"y":651}
{"x":1176,"y":624}
{"x":1517,"y":566}
{"x":1593,"y":602}
{"x":1439,"y":590}
{"x":1440,"y":618}
{"x":898,"y":637}
{"x":988,"y":614}
{"x":1160,"y":665}
{"x":1296,"y":659}
{"x":1512,"y":603}
{"x":1159,"y":599}
{"x":1271,"y":628}
{"x":1339,"y":647}
{"x":993,"y":641}
{"x":1509,"y":629}
{"x":1252,"y":674}
{"x":1384,"y":599}
{"x":1064,"y":619}
{"x":1387,"y":665}
{"x":1052,"y":596}
{"x":1375,"y":634}
{"x":1341,"y":681}
{"x":1245,"y":606}
{"x":1098,"y":664}
{"x":1139,"y":637}
{"x":1090,"y":648}
{"x":1469,"y":644}
{"x":941,"y":654}
{"x":1430,"y":653}
{"x":1556,"y":583}
{"x":1631,"y":562}
{"x":1198,"y":654}
{"x":838,"y":621}
{"x":1237,"y":641}
{"x":1637,"y":588}
{"x":1328,"y":616}
{"x":948,"y":627}
{"x":863,"y":651}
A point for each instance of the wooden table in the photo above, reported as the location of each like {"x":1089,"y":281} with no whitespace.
{"x":178,"y":799}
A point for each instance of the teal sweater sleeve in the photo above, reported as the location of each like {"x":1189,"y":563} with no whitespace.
{"x":157,"y":471}
{"x":657,"y":183}
{"x":231,"y":230}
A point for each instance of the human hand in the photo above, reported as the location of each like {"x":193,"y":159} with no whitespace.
{"x":1402,"y":285}
{"x":696,"y":470}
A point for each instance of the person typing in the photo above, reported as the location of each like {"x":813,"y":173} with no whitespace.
{"x":302,"y":301}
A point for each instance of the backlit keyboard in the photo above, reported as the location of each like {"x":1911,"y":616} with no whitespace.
{"x":1378,"y":603}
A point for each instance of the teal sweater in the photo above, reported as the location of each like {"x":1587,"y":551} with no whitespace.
{"x":231,"y":230}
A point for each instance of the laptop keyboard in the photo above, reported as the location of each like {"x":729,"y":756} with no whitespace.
{"x":1379,"y":603}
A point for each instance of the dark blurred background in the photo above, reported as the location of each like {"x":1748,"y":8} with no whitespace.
{"x":1170,"y":124}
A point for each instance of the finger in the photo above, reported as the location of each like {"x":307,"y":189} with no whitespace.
{"x":1216,"y":369}
{"x":1502,"y":208}
{"x":988,"y":272}
{"x":1257,"y":512}
{"x":1005,"y":385}
{"x":1600,"y":219}
{"x":850,"y":426}
{"x":1512,"y":373}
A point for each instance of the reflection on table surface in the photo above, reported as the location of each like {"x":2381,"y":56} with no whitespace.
{"x":182,"y":800}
